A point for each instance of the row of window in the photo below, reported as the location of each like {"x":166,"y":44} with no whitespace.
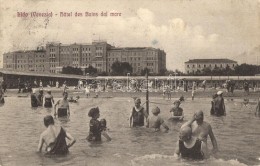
{"x":131,"y":53}
{"x":52,"y":50}
{"x":99,"y":54}
{"x":199,"y":66}
{"x":52,"y":55}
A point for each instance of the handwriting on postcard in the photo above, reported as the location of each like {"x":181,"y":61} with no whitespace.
{"x":69,"y":14}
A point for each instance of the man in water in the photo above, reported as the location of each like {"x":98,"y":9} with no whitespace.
{"x":34,"y":99}
{"x":63,"y":106}
{"x":54,"y":137}
{"x":189,"y":146}
{"x":220,"y":108}
{"x":138,"y":114}
{"x":40,"y":97}
{"x":201,"y":129}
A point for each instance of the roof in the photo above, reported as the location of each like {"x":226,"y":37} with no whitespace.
{"x":132,"y":48}
{"x":210,"y":61}
{"x":55,"y":75}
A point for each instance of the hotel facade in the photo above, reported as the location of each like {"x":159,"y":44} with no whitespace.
{"x":98,"y":54}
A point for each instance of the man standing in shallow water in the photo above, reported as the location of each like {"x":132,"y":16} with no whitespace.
{"x":202,"y":129}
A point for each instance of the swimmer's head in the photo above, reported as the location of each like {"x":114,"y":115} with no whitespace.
{"x":65,"y":94}
{"x":137,"y":102}
{"x":77,"y":97}
{"x":214,"y":96}
{"x":48,"y":120}
{"x":41,"y":91}
{"x":181,"y":99}
{"x":199,"y":116}
{"x":49,"y":91}
{"x":93,"y":112}
{"x":156,"y":110}
{"x":185,"y":133}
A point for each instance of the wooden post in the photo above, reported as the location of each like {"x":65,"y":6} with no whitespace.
{"x":147,"y":93}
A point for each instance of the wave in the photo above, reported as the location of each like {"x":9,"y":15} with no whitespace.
{"x":168,"y":160}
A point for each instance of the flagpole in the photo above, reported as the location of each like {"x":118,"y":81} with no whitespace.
{"x":147,"y":93}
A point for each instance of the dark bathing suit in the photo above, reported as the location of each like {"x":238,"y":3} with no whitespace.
{"x":219,"y":103}
{"x":62,"y":112}
{"x":138,"y":117}
{"x":48,"y":103}
{"x":94,"y":130}
{"x":34,"y":101}
{"x":191,"y":153}
{"x":40,"y":98}
{"x":59,"y":146}
{"x":2,"y":101}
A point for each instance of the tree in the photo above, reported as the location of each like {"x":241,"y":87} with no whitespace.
{"x":71,"y":70}
{"x":121,"y":68}
{"x":246,"y":69}
{"x":91,"y":70}
{"x":162,"y":72}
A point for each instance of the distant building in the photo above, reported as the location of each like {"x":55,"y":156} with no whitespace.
{"x":139,"y":58}
{"x":98,"y":54}
{"x":31,"y":60}
{"x":195,"y":65}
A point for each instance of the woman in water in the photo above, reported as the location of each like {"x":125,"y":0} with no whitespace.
{"x":96,"y":128}
{"x":177,"y":111}
{"x":48,"y":100}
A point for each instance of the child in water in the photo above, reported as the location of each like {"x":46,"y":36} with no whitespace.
{"x":96,"y":128}
{"x":156,"y":121}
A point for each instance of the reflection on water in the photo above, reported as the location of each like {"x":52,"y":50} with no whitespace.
{"x":237,"y":134}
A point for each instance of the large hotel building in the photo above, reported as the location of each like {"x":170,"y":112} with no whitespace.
{"x":98,"y":54}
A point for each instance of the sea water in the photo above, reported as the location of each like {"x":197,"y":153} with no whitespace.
{"x":237,"y":134}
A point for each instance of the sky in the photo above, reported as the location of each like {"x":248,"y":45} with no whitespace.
{"x":184,"y":29}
